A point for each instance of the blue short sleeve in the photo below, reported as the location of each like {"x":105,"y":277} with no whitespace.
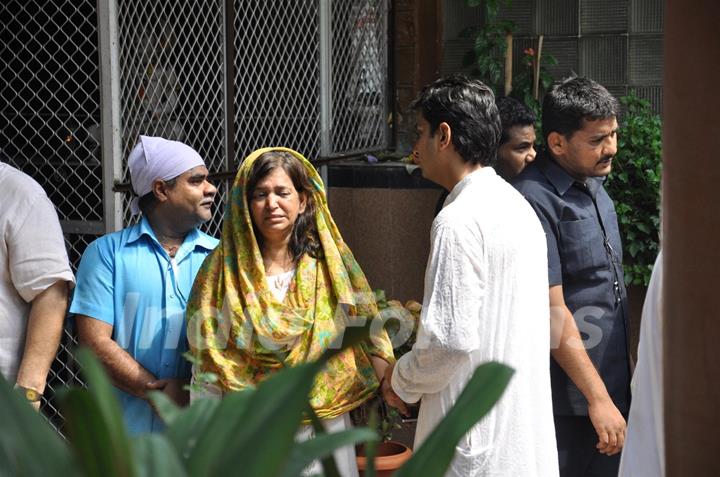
{"x":93,"y":295}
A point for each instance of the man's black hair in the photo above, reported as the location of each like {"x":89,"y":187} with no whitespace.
{"x":574,"y":100}
{"x":468,"y":107}
{"x":513,"y":113}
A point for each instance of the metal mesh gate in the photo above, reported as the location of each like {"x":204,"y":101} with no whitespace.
{"x":316,"y":72}
{"x":172,"y":77}
{"x":225,"y":76}
{"x":277,"y":76}
{"x":49,"y":127}
{"x":358,"y":76}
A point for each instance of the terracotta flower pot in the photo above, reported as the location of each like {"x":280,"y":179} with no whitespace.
{"x":390,"y":457}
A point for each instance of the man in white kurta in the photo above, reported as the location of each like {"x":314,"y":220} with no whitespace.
{"x":485,"y":299}
{"x":644,"y":451}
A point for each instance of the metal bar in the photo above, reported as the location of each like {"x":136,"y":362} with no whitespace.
{"x":325,"y":84}
{"x":319,"y":163}
{"x":110,"y":112}
{"x":82,"y":227}
{"x":325,"y":77}
{"x":389,"y":79}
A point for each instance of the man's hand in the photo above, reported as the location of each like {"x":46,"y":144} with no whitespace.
{"x":571,"y":355}
{"x":392,"y":399}
{"x":609,"y":425}
{"x":172,"y":388}
{"x":175,"y":391}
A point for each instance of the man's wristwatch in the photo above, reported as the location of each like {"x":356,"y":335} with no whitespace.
{"x":32,"y":395}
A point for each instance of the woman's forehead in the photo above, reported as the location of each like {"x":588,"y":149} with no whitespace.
{"x":277,"y":176}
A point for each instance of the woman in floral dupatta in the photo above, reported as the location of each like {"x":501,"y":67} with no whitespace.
{"x":277,"y":287}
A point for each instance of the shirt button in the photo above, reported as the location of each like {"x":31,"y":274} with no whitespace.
{"x":172,"y":296}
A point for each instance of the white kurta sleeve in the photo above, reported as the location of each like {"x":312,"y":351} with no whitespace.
{"x":449,"y":323}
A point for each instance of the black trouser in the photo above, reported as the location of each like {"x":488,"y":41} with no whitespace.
{"x":577,"y":454}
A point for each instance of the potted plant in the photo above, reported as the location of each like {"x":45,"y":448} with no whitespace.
{"x":389,"y":457}
{"x":392,"y":451}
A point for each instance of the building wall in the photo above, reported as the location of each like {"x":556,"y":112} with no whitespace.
{"x":388,"y":231}
{"x":616,"y":42}
{"x":416,"y":58}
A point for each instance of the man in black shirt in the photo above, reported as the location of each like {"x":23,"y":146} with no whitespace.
{"x":590,"y":367}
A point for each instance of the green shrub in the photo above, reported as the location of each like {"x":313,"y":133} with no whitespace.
{"x":634,"y":186}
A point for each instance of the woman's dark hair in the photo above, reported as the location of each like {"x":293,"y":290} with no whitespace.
{"x":305,"y":238}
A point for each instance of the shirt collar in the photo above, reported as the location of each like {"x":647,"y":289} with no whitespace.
{"x":200,"y":239}
{"x":475,"y":176}
{"x":562,"y":181}
{"x":556,"y":175}
{"x":194,"y":237}
{"x":142,"y":228}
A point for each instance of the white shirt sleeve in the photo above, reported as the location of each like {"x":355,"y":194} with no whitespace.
{"x":36,"y":252}
{"x":449,"y":326}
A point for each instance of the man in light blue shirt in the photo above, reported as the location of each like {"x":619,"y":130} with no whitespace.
{"x":133,"y":285}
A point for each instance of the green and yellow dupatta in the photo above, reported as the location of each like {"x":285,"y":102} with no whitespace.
{"x":239,"y":331}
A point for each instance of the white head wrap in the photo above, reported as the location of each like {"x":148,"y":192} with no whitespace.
{"x":157,"y":158}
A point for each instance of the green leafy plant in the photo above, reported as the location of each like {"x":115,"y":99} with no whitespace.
{"x":522,"y":84}
{"x":250,"y":432}
{"x":488,"y":60}
{"x":488,"y":51}
{"x":634,"y":185}
{"x":523,"y":81}
{"x":401,"y":321}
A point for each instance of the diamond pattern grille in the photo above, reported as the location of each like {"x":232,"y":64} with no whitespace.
{"x":359,"y":56}
{"x":172,"y":76}
{"x":214,"y":225}
{"x":277,"y":76}
{"x":49,"y":126}
{"x":50,"y":101}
